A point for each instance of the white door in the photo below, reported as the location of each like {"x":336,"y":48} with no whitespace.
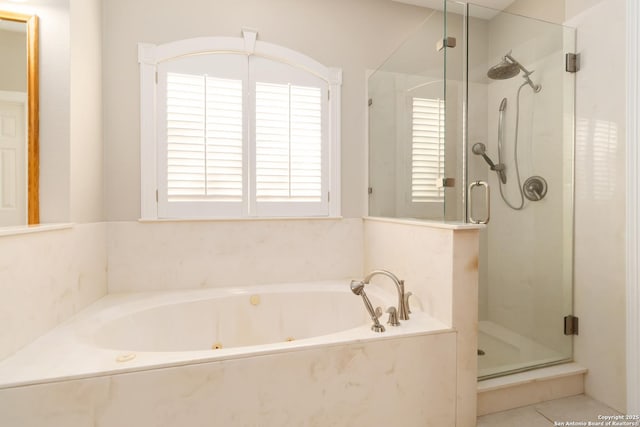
{"x":13,"y":165}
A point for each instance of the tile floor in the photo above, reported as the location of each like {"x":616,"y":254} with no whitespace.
{"x":575,"y":408}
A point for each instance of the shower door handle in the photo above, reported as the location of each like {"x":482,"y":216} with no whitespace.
{"x":487,"y":201}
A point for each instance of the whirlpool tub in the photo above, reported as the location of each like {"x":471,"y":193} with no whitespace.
{"x":283,"y":347}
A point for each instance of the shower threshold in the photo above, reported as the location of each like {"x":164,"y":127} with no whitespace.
{"x":506,"y":352}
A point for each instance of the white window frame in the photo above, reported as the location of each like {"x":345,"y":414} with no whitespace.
{"x":150,"y":55}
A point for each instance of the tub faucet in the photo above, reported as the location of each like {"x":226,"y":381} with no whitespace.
{"x":403,"y":303}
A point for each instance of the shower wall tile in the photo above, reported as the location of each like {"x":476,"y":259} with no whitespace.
{"x":600,"y":167}
{"x":187,"y":255}
{"x":421,"y":256}
{"x":47,"y":277}
{"x":349,"y":385}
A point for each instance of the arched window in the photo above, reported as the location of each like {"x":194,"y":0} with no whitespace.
{"x":234,"y":128}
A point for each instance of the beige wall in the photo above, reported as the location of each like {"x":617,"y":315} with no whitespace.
{"x":354,"y":35}
{"x":86,"y":149}
{"x":546,"y":10}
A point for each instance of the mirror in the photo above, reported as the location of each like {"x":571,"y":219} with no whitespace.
{"x":19,"y":121}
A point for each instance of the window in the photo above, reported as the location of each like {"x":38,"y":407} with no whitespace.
{"x":427,"y":149}
{"x":233,"y":127}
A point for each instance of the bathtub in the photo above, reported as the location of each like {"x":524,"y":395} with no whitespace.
{"x":142,"y":331}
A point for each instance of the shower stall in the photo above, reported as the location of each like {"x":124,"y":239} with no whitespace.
{"x":472,"y":120}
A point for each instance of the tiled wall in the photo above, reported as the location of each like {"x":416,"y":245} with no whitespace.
{"x":375,"y":383}
{"x":600,"y":200}
{"x":47,"y":277}
{"x":187,"y":255}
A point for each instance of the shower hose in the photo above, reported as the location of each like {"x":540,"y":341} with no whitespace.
{"x":515,"y":154}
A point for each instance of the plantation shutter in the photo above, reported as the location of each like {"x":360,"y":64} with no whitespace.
{"x":241,"y":136}
{"x":204,"y":138}
{"x":201,"y":133}
{"x":291,"y":141}
{"x":288,"y":143}
{"x":427,"y":149}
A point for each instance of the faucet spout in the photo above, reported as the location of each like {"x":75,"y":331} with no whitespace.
{"x":403,"y":310}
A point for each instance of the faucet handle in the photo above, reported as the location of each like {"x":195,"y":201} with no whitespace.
{"x":378,"y":312}
{"x":393,"y":316}
{"x":406,"y":301}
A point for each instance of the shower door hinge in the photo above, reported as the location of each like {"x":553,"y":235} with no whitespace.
{"x":370,"y":190}
{"x":370,"y":102}
{"x":446,"y":42}
{"x":572,"y":62}
{"x":571,"y":325}
{"x":445,"y":182}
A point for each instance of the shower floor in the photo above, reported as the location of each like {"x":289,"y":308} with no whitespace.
{"x":506,"y":351}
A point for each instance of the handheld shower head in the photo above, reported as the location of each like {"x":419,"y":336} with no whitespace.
{"x":357,"y":287}
{"x":479,"y":148}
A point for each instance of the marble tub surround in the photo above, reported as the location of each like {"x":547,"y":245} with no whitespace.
{"x":162,"y":255}
{"x":47,"y":277}
{"x":439,"y":263}
{"x":357,"y":384}
{"x":423,"y":372}
{"x":141,"y":331}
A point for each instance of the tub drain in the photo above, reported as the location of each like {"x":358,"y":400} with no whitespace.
{"x":125,"y":357}
{"x":216,"y":346}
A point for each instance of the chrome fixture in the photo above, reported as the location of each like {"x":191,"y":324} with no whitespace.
{"x":509,"y":67}
{"x":357,"y":288}
{"x":487,"y":202}
{"x":393,"y":316}
{"x":403,"y":300}
{"x":480,"y":149}
{"x":535,"y":188}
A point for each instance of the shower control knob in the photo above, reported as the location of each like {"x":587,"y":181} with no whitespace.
{"x":535,"y":188}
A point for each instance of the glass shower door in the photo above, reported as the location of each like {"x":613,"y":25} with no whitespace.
{"x":520,"y":142}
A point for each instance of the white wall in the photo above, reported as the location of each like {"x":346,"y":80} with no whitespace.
{"x":600,"y":198}
{"x":546,"y":10}
{"x":86,"y":148}
{"x":356,"y":35}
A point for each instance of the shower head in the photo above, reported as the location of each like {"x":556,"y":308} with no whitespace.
{"x":504,"y":70}
{"x":509,"y":67}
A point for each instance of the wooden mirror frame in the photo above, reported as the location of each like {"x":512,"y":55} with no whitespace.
{"x":33,"y":108}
